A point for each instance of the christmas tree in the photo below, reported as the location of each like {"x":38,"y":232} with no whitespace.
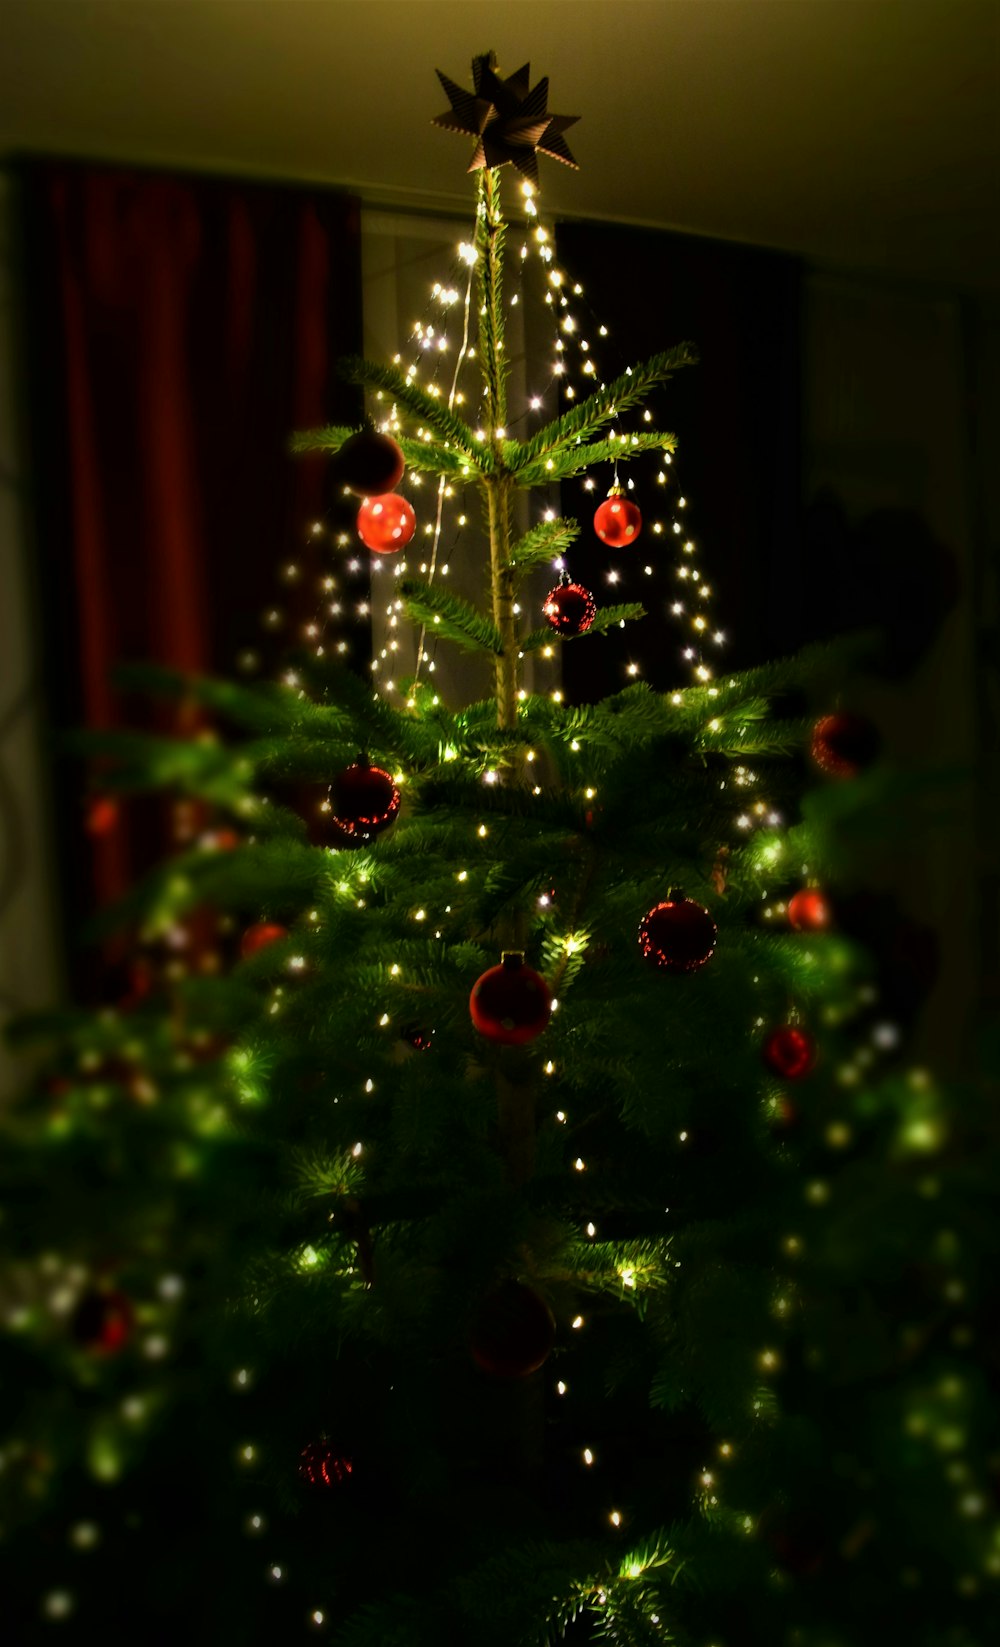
{"x":534,"y":1232}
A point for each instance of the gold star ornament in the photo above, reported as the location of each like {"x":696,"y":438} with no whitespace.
{"x":508,"y":118}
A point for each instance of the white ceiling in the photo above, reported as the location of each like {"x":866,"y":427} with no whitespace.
{"x":865,"y":132}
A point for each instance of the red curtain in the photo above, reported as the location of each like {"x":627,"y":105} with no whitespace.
{"x":179,"y":329}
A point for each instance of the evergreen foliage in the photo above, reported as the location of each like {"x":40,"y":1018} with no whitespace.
{"x":307,"y":1171}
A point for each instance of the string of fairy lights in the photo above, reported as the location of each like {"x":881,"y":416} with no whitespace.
{"x":435,"y":352}
{"x":574,"y":369}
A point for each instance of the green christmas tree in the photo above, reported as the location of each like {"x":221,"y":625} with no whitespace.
{"x":518,"y":1241}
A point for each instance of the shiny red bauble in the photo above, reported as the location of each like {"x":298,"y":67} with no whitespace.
{"x":678,"y":935}
{"x":617,"y":521}
{"x":513,"y":1331}
{"x":510,"y":1003}
{"x":843,"y":745}
{"x":370,"y":463}
{"x":259,"y":936}
{"x":364,"y":801}
{"x":789,"y":1052}
{"x":102,"y":1321}
{"x":569,"y":608}
{"x":321,"y":1465}
{"x":809,"y":911}
{"x":386,"y":523}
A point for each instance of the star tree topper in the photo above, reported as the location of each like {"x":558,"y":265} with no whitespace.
{"x":508,"y":117}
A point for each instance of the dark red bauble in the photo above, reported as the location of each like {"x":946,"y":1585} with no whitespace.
{"x":386,"y":523}
{"x":364,"y":800}
{"x":617,"y":521}
{"x":259,"y":936}
{"x":789,"y":1052}
{"x":678,"y":935}
{"x":513,"y":1331}
{"x":809,"y":911}
{"x":370,"y":463}
{"x":421,"y":1040}
{"x":843,"y":745}
{"x":510,"y":1003}
{"x":569,"y":608}
{"x":322,"y":1465}
{"x":102,"y":1321}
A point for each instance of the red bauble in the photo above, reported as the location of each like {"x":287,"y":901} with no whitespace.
{"x":809,"y":911}
{"x":364,"y":800}
{"x":102,"y":1321}
{"x":678,"y":935}
{"x":510,"y":1003}
{"x":370,"y":463}
{"x":513,"y":1331}
{"x":102,"y":815}
{"x":386,"y":523}
{"x":421,"y":1040}
{"x":843,"y":745}
{"x":259,"y":936}
{"x":617,"y":522}
{"x":322,"y":1465}
{"x":789,"y":1052}
{"x":569,"y":608}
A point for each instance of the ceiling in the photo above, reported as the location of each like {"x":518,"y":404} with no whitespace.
{"x":859,"y":132}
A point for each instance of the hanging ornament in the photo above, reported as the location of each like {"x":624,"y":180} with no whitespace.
{"x":386,"y":523}
{"x":513,"y":1331}
{"x":510,"y":1003}
{"x":421,"y":1040}
{"x":102,"y":1321}
{"x":809,"y":911}
{"x":322,"y":1465}
{"x":789,"y":1052}
{"x":617,"y":521}
{"x":364,"y":800}
{"x":569,"y":607}
{"x":101,"y":815}
{"x":370,"y":463}
{"x":259,"y":936}
{"x":678,"y":935}
{"x":843,"y":745}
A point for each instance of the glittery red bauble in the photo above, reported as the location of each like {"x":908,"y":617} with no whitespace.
{"x":102,"y":1321}
{"x":809,"y":911}
{"x":370,"y":463}
{"x":513,"y":1331}
{"x":678,"y":935}
{"x":364,"y":800}
{"x":386,"y":523}
{"x":510,"y":1003}
{"x":789,"y":1052}
{"x":617,"y":522}
{"x":259,"y":936}
{"x":321,"y":1465}
{"x":569,"y":608}
{"x":843,"y":745}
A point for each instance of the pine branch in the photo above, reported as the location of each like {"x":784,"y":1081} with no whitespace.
{"x":607,"y":617}
{"x":422,"y":454}
{"x":445,"y":614}
{"x":543,"y":543}
{"x":452,"y":431}
{"x":577,"y":458}
{"x":604,"y":406}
